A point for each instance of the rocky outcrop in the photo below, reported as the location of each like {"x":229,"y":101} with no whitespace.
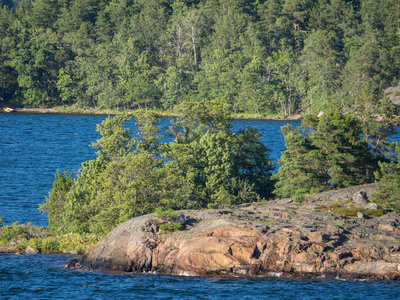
{"x":393,"y":93}
{"x":354,"y":193}
{"x":279,"y":237}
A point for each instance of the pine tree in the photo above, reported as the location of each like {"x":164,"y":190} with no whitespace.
{"x":302,"y":166}
{"x":388,"y":182}
{"x":348,"y":157}
{"x":329,"y":152}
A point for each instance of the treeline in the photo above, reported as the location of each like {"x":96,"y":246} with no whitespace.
{"x":201,"y":163}
{"x":260,"y":56}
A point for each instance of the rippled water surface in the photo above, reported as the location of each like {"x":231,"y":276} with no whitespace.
{"x":34,"y":146}
{"x":43,"y":277}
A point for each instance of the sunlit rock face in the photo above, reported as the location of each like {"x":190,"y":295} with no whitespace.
{"x":276,"y":237}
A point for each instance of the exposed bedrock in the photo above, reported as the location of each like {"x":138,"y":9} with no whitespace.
{"x":255,"y":239}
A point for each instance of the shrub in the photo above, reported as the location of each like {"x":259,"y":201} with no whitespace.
{"x":13,"y":232}
{"x":167,"y":220}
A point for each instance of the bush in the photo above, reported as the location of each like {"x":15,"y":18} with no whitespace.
{"x":13,"y":232}
{"x":79,"y":242}
{"x":167,"y":220}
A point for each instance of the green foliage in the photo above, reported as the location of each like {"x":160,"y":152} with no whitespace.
{"x":167,"y":220}
{"x":55,"y":205}
{"x":339,"y":138}
{"x":331,"y":152}
{"x":302,"y":168}
{"x":116,"y":140}
{"x":170,"y":227}
{"x":205,"y":165}
{"x":259,"y":56}
{"x":299,"y":197}
{"x":350,"y":211}
{"x":73,"y":241}
{"x":21,"y":236}
{"x":388,"y":182}
{"x":8,"y":233}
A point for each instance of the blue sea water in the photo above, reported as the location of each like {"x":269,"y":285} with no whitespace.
{"x":43,"y":277}
{"x":34,"y":146}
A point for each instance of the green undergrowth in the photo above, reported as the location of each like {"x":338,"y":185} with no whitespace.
{"x":168,"y":220}
{"x":350,"y":211}
{"x":21,"y":236}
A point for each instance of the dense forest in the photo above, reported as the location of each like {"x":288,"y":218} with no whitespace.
{"x":258,"y":56}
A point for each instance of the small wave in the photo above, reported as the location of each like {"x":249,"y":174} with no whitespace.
{"x":341,"y":279}
{"x":186,"y":273}
{"x":149,"y":272}
{"x":276,"y":274}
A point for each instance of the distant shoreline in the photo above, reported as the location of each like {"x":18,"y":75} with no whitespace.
{"x":56,"y":110}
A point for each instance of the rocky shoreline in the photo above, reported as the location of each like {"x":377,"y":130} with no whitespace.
{"x":259,"y":239}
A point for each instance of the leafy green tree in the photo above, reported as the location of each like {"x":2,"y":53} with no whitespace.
{"x":147,"y":25}
{"x":321,"y":58}
{"x":37,"y":58}
{"x":388,"y":182}
{"x":252,"y":161}
{"x":116,"y":140}
{"x":136,"y":82}
{"x":363,"y":71}
{"x":8,"y":76}
{"x":206,"y":165}
{"x":131,"y":185}
{"x":281,"y":68}
{"x":171,"y":86}
{"x":253,"y":95}
{"x":44,"y":13}
{"x":275,"y":56}
{"x":275,"y":25}
{"x":212,"y":157}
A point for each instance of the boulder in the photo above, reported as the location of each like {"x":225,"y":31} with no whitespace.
{"x":360,"y":198}
{"x":393,"y":93}
{"x":360,"y":215}
{"x":372,"y":206}
{"x":31,"y":250}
